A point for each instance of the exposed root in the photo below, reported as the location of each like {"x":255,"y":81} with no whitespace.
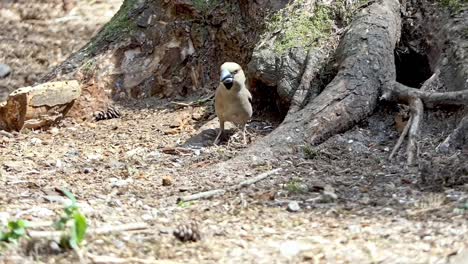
{"x":456,"y":139}
{"x":301,"y":92}
{"x":415,"y":98}
{"x":401,"y":138}
{"x":417,"y":110}
{"x":403,"y":93}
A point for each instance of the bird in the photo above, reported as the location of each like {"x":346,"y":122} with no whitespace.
{"x":233,"y":100}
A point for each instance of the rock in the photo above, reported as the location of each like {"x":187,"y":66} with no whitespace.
{"x":36,"y":141}
{"x":5,"y":70}
{"x":119,"y":182}
{"x":4,"y":217}
{"x":167,"y":180}
{"x":58,"y":164}
{"x":294,"y":206}
{"x":38,"y":106}
{"x":282,"y":71}
{"x":54,"y":131}
{"x":291,"y":67}
{"x":263,"y":66}
{"x":328,"y":195}
{"x":135,"y":153}
{"x":93,"y":158}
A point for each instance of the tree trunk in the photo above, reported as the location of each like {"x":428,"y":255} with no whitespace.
{"x":164,"y":49}
{"x":366,"y":65}
{"x":174,"y":48}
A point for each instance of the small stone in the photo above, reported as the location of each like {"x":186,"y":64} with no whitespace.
{"x":119,"y":183}
{"x":147,"y":217}
{"x":55,"y":247}
{"x":167,"y":180}
{"x":4,"y":217}
{"x":291,"y":249}
{"x":54,"y":131}
{"x":197,"y":116}
{"x":294,"y":206}
{"x":87,"y":170}
{"x":134,"y":153}
{"x":5,"y":70}
{"x":58,"y":164}
{"x":36,"y":141}
{"x":328,"y":197}
{"x":94,"y":157}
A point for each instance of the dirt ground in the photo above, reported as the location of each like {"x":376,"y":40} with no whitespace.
{"x":355,"y":206}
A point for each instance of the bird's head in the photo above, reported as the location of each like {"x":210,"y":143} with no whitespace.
{"x":232,"y":75}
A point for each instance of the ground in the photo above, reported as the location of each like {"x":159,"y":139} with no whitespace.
{"x":355,"y":205}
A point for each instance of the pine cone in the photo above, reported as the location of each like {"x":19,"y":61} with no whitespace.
{"x":109,"y":113}
{"x":187,"y":232}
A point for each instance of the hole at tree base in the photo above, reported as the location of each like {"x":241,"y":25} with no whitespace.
{"x":412,"y":68}
{"x":267,"y":104}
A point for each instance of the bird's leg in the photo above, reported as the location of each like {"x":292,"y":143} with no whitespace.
{"x":247,"y":132}
{"x":221,"y":129}
{"x":243,"y":133}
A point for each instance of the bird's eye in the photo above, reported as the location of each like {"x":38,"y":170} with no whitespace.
{"x":235,"y":72}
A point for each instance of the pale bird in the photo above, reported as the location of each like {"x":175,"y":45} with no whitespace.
{"x":233,"y":101}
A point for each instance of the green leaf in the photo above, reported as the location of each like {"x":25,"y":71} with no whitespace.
{"x":69,"y":196}
{"x":80,"y":227}
{"x":60,"y":224}
{"x":73,"y":241}
{"x":12,"y":225}
{"x":19,"y":231}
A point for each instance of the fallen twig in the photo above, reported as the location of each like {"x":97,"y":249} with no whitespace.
{"x":202,"y":195}
{"x":6,"y":134}
{"x":119,"y":228}
{"x":111,"y":260}
{"x":256,"y":179}
{"x":96,"y":231}
{"x":217,"y":192}
{"x":194,"y":103}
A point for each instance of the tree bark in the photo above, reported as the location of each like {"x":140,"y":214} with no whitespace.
{"x":164,"y":49}
{"x":169,"y":48}
{"x":366,"y":65}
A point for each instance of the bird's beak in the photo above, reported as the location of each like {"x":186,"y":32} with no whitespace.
{"x":227,"y":79}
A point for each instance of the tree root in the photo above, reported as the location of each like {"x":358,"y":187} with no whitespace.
{"x":307,"y":76}
{"x":402,"y":93}
{"x":417,"y":111}
{"x":456,"y":139}
{"x":401,"y":138}
{"x":417,"y":100}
